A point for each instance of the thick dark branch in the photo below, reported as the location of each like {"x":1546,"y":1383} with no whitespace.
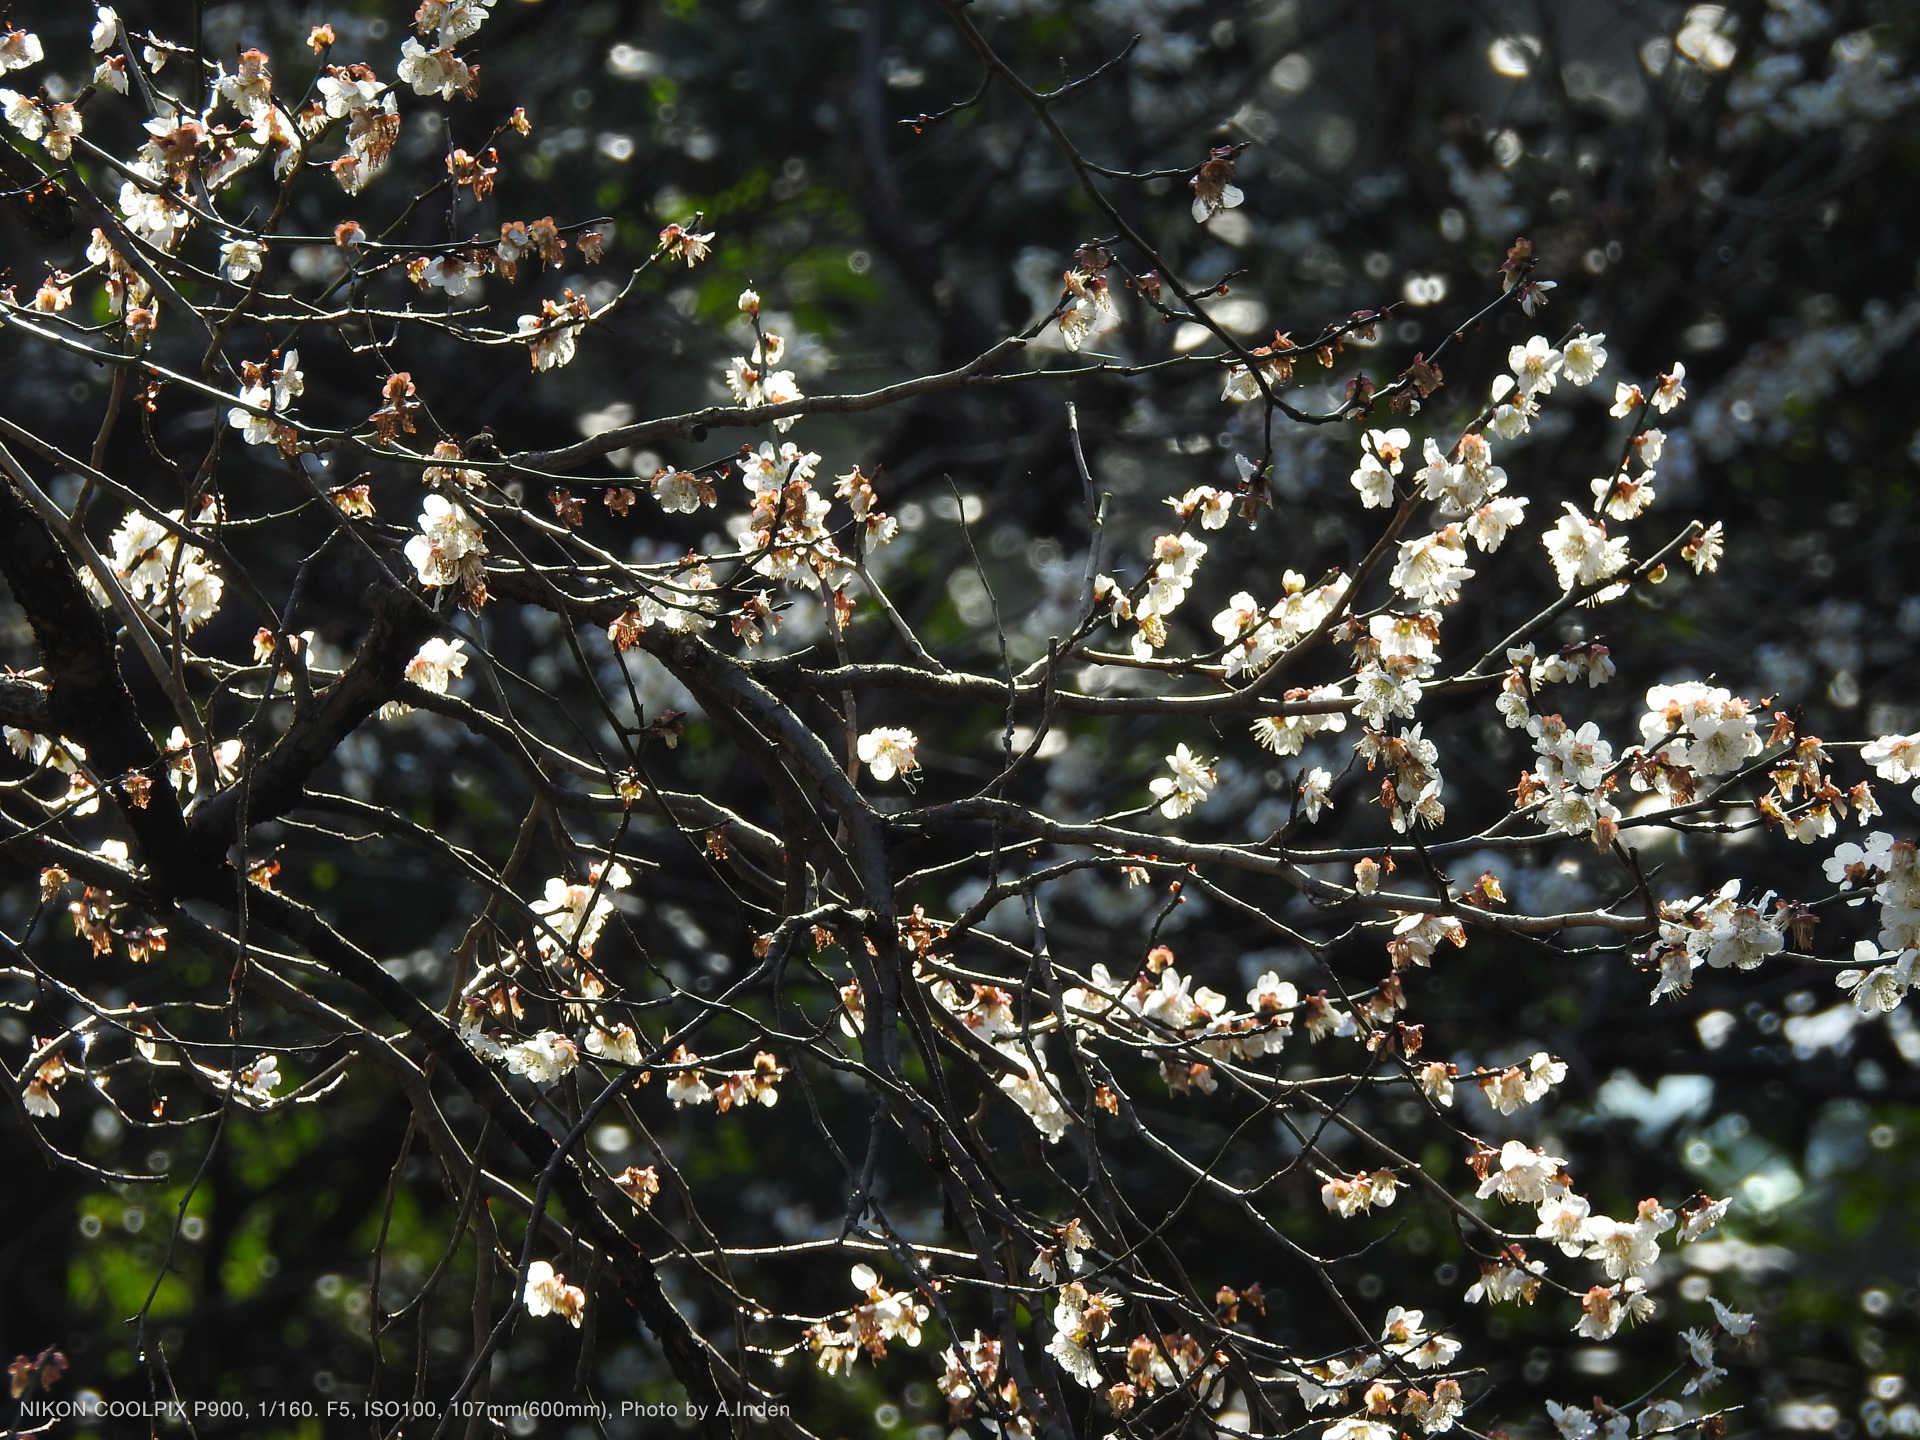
{"x":87,"y":700}
{"x":401,"y":622}
{"x":23,"y":705}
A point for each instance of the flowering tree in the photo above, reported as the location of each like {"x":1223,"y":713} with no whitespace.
{"x":1088,"y":939}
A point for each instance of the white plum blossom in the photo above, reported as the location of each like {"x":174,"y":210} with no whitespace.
{"x":1536,"y":365}
{"x":433,"y":72}
{"x":755,"y":381}
{"x":1605,"y":1308}
{"x":454,"y":273}
{"x":151,"y":216}
{"x":1522,"y":1175}
{"x":1703,"y":552}
{"x":1255,"y":638}
{"x":770,"y":467}
{"x":455,"y":20}
{"x":53,"y":124}
{"x":1214,"y":507}
{"x":1622,"y":498}
{"x":680,"y":492}
{"x":1463,"y":482}
{"x":1355,"y":1427}
{"x":1435,"y":1080}
{"x":162,"y":573}
{"x":1899,"y":897}
{"x":342,"y":91}
{"x":1213,"y":187}
{"x":258,"y":1080}
{"x":617,"y":1043}
{"x":37,"y":1099}
{"x":1176,"y":558}
{"x":1349,"y":1196}
{"x":1416,"y":936}
{"x":1437,"y":1411}
{"x":1408,"y":1340}
{"x":1743,"y":938}
{"x":433,"y":668}
{"x":19,"y":49}
{"x":1659,"y":1415}
{"x":888,"y":751}
{"x":687,"y":1087}
{"x":1316,"y":792}
{"x":1731,"y":1321}
{"x":1518,"y":1086}
{"x":1488,"y":525}
{"x":548,"y":1293}
{"x":1624,"y":1247}
{"x":1513,"y":409}
{"x":449,"y":548}
{"x":1080,"y":1320}
{"x":1571,"y":1421}
{"x":1191,"y":783}
{"x":543,"y":1058}
{"x":1583,"y":359}
{"x":1700,"y":1351}
{"x":1432,"y":567}
{"x":37,"y":750}
{"x":1671,"y":390}
{"x":1881,"y":988}
{"x":1714,"y":729}
{"x":1286,"y":734}
{"x":1853,"y":864}
{"x":1380,"y":460}
{"x":1563,"y":1220}
{"x":1374,"y":483}
{"x":1506,"y":1279}
{"x":1581,"y":812}
{"x":1034,"y":1090}
{"x":1581,"y":552}
{"x":1568,"y":756}
{"x":1895,"y":758}
{"x":240,"y":260}
{"x":272,"y":390}
{"x":553,"y":335}
{"x":575,"y":912}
